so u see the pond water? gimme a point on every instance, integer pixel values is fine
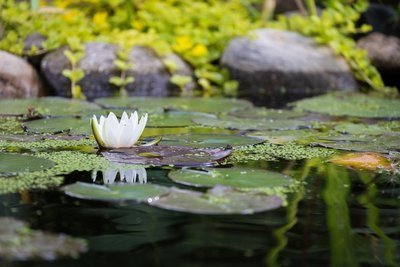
(329, 214)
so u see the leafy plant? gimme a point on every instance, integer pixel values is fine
(123, 65)
(74, 54)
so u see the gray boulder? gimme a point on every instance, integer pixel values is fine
(383, 50)
(151, 76)
(18, 79)
(275, 67)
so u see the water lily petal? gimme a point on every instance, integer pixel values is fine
(127, 132)
(112, 132)
(139, 128)
(124, 118)
(97, 131)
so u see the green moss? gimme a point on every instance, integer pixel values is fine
(267, 151)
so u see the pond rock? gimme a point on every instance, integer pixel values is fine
(274, 67)
(383, 50)
(384, 53)
(34, 41)
(17, 78)
(151, 76)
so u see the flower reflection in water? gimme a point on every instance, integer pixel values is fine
(128, 175)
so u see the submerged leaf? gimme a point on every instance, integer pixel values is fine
(363, 161)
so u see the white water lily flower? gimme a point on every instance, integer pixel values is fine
(111, 133)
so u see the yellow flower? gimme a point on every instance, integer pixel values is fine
(183, 43)
(61, 4)
(70, 15)
(199, 50)
(137, 25)
(100, 19)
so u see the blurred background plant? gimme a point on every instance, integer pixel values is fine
(196, 30)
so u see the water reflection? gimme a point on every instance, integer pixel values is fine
(130, 175)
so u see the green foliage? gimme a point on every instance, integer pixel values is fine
(335, 27)
(123, 65)
(196, 30)
(75, 74)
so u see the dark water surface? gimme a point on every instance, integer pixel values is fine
(338, 217)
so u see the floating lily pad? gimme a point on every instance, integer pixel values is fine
(218, 200)
(263, 113)
(380, 144)
(362, 129)
(53, 106)
(175, 119)
(230, 122)
(136, 192)
(357, 105)
(285, 136)
(208, 140)
(18, 242)
(71, 125)
(13, 163)
(234, 177)
(167, 155)
(211, 105)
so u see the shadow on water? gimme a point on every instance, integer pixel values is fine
(337, 217)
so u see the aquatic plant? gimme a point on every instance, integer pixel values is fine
(111, 133)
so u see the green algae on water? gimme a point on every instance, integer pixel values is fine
(270, 152)
(47, 144)
(65, 162)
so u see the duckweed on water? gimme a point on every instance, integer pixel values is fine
(45, 145)
(65, 162)
(269, 152)
(10, 126)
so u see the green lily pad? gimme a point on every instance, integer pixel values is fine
(218, 200)
(230, 122)
(380, 144)
(210, 105)
(71, 125)
(175, 119)
(14, 163)
(351, 104)
(285, 136)
(53, 106)
(234, 177)
(264, 113)
(136, 192)
(208, 140)
(167, 155)
(363, 129)
(18, 242)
